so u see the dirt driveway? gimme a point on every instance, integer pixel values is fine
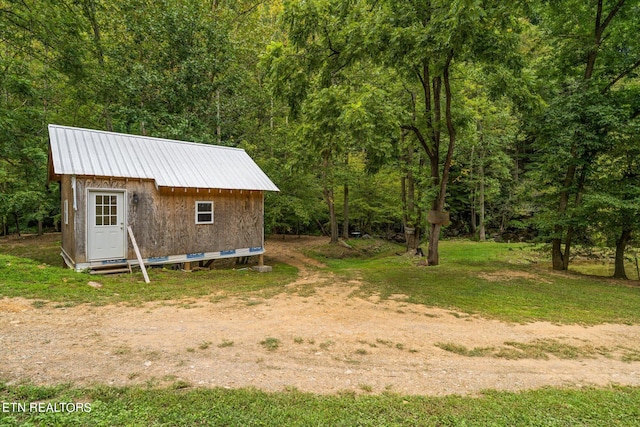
(323, 342)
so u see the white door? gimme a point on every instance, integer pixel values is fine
(105, 226)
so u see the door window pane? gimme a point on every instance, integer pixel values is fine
(106, 210)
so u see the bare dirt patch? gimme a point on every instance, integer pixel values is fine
(508, 275)
(327, 341)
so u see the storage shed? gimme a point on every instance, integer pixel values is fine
(185, 202)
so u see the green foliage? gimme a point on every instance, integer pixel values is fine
(591, 68)
(374, 200)
(319, 93)
(23, 154)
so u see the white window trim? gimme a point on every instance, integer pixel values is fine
(209, 203)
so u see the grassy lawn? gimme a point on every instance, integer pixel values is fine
(508, 282)
(248, 407)
(30, 268)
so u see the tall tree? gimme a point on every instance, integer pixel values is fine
(612, 204)
(594, 49)
(338, 107)
(423, 43)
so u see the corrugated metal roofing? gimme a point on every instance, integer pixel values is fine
(86, 152)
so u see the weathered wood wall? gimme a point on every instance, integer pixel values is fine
(163, 221)
(68, 229)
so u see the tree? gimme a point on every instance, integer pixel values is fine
(593, 51)
(485, 176)
(420, 42)
(338, 109)
(613, 202)
(24, 103)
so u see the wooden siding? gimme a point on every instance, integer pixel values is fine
(163, 221)
(68, 230)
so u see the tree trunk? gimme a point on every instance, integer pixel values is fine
(345, 205)
(410, 218)
(621, 245)
(403, 198)
(271, 115)
(434, 236)
(567, 248)
(433, 256)
(556, 250)
(482, 233)
(556, 243)
(17, 219)
(327, 191)
(40, 228)
(472, 223)
(570, 229)
(324, 230)
(472, 198)
(431, 144)
(333, 220)
(345, 213)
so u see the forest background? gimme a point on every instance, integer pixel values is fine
(407, 119)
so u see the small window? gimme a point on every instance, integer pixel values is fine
(66, 212)
(204, 212)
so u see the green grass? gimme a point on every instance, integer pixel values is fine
(42, 249)
(360, 249)
(22, 277)
(600, 268)
(271, 343)
(181, 405)
(27, 270)
(496, 280)
(464, 351)
(537, 349)
(225, 343)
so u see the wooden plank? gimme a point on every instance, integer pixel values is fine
(69, 229)
(111, 271)
(135, 247)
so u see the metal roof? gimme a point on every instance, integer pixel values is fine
(86, 152)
